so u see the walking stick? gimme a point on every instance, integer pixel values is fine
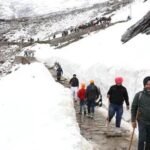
(133, 131)
(131, 139)
(107, 118)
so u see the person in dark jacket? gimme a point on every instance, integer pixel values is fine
(92, 93)
(59, 72)
(117, 94)
(74, 84)
(140, 112)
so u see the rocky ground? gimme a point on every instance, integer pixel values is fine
(7, 58)
(43, 27)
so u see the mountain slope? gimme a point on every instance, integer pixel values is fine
(27, 8)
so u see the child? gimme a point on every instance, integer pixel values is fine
(81, 95)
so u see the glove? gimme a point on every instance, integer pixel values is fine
(134, 124)
(100, 100)
(128, 107)
(100, 104)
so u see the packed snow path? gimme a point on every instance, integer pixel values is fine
(96, 131)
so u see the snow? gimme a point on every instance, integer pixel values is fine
(37, 113)
(101, 57)
(34, 115)
(30, 8)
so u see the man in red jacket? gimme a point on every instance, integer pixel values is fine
(81, 95)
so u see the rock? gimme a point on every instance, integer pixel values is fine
(142, 26)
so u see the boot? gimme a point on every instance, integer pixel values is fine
(92, 115)
(80, 113)
(88, 115)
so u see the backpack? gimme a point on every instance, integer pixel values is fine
(138, 111)
(139, 97)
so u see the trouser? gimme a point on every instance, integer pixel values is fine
(91, 106)
(115, 109)
(74, 91)
(58, 77)
(144, 136)
(82, 106)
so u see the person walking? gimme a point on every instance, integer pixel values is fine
(116, 95)
(92, 93)
(59, 72)
(81, 95)
(74, 83)
(140, 112)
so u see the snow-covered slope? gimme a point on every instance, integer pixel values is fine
(101, 57)
(34, 116)
(30, 8)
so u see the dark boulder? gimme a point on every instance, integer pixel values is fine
(142, 26)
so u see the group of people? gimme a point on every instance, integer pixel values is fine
(117, 95)
(87, 96)
(101, 21)
(29, 53)
(140, 109)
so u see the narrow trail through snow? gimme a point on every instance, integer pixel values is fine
(94, 130)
